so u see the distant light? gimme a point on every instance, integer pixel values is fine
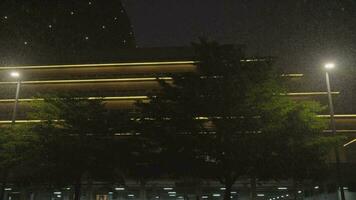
(119, 189)
(316, 187)
(172, 195)
(287, 195)
(157, 197)
(204, 197)
(233, 192)
(15, 74)
(222, 188)
(216, 195)
(110, 193)
(283, 188)
(171, 192)
(59, 196)
(346, 188)
(168, 188)
(130, 195)
(260, 195)
(68, 188)
(329, 66)
(282, 196)
(180, 197)
(299, 191)
(8, 189)
(57, 192)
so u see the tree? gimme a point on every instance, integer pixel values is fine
(77, 139)
(17, 145)
(230, 116)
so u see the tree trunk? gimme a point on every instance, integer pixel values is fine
(143, 195)
(253, 193)
(3, 184)
(227, 192)
(295, 190)
(77, 189)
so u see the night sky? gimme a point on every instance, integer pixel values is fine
(301, 33)
(62, 31)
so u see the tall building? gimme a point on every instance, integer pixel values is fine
(60, 31)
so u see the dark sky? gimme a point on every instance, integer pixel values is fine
(299, 32)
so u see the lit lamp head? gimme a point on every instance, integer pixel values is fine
(15, 75)
(329, 66)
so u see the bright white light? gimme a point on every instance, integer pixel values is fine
(172, 195)
(222, 188)
(299, 191)
(316, 187)
(8, 189)
(204, 197)
(168, 188)
(15, 74)
(119, 189)
(329, 66)
(57, 192)
(287, 195)
(260, 195)
(216, 195)
(171, 192)
(346, 188)
(130, 195)
(283, 188)
(157, 197)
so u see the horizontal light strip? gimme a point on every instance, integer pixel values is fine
(292, 75)
(112, 64)
(90, 98)
(310, 93)
(203, 118)
(352, 141)
(99, 65)
(146, 97)
(91, 80)
(340, 131)
(111, 80)
(339, 116)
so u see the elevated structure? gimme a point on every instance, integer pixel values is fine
(132, 76)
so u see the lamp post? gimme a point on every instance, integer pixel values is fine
(16, 75)
(328, 67)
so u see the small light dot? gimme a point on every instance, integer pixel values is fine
(50, 26)
(86, 38)
(115, 18)
(25, 43)
(122, 11)
(71, 13)
(103, 27)
(5, 17)
(124, 41)
(89, 3)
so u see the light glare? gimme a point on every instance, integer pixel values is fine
(329, 66)
(15, 74)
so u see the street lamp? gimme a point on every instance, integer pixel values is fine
(16, 75)
(328, 67)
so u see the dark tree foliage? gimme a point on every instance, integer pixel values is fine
(230, 119)
(77, 142)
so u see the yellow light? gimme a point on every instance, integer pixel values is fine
(99, 65)
(352, 141)
(92, 80)
(309, 93)
(90, 98)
